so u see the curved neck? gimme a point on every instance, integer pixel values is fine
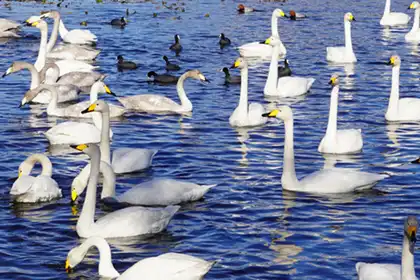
(347, 35)
(54, 34)
(416, 21)
(271, 83)
(274, 27)
(185, 102)
(332, 119)
(407, 261)
(35, 79)
(40, 61)
(62, 29)
(288, 179)
(52, 76)
(395, 91)
(108, 187)
(104, 145)
(43, 160)
(387, 9)
(52, 105)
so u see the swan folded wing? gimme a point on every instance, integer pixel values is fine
(67, 66)
(349, 139)
(79, 36)
(149, 103)
(255, 111)
(22, 185)
(80, 79)
(73, 52)
(38, 189)
(395, 19)
(294, 86)
(376, 271)
(6, 24)
(408, 108)
(335, 54)
(73, 133)
(255, 49)
(126, 160)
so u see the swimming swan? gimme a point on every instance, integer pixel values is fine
(414, 34)
(393, 19)
(385, 271)
(244, 114)
(283, 86)
(343, 141)
(153, 103)
(30, 189)
(324, 181)
(169, 266)
(343, 54)
(256, 49)
(404, 109)
(130, 221)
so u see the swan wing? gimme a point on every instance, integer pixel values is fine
(80, 36)
(393, 19)
(255, 49)
(81, 79)
(35, 189)
(149, 103)
(6, 24)
(408, 108)
(335, 54)
(69, 51)
(127, 160)
(73, 133)
(376, 271)
(255, 111)
(293, 86)
(68, 65)
(346, 141)
(22, 185)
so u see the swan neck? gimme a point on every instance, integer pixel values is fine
(416, 22)
(54, 35)
(185, 102)
(43, 160)
(332, 119)
(274, 25)
(387, 9)
(347, 35)
(108, 188)
(105, 140)
(407, 261)
(243, 98)
(40, 62)
(272, 78)
(288, 178)
(35, 79)
(52, 105)
(395, 91)
(94, 91)
(62, 29)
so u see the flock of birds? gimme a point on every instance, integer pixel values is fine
(62, 72)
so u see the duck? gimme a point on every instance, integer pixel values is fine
(124, 64)
(283, 86)
(177, 266)
(400, 109)
(393, 19)
(296, 16)
(224, 41)
(324, 181)
(284, 71)
(414, 34)
(229, 79)
(30, 189)
(246, 115)
(343, 141)
(162, 78)
(121, 22)
(170, 66)
(256, 49)
(9, 28)
(403, 271)
(176, 47)
(243, 9)
(153, 103)
(343, 54)
(126, 222)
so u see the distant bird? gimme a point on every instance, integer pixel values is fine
(126, 65)
(119, 22)
(295, 16)
(224, 41)
(242, 9)
(170, 66)
(229, 79)
(163, 78)
(285, 70)
(176, 47)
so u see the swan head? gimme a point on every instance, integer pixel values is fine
(273, 41)
(25, 168)
(349, 17)
(414, 5)
(196, 74)
(410, 229)
(101, 87)
(279, 13)
(32, 19)
(334, 80)
(15, 67)
(284, 113)
(51, 14)
(394, 60)
(97, 106)
(240, 63)
(40, 24)
(31, 94)
(74, 257)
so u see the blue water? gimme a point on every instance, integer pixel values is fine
(247, 223)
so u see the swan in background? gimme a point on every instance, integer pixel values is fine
(256, 49)
(9, 28)
(130, 221)
(176, 266)
(343, 54)
(283, 86)
(244, 114)
(414, 34)
(153, 103)
(30, 189)
(343, 141)
(404, 109)
(393, 19)
(324, 181)
(385, 271)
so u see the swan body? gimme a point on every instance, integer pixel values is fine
(325, 181)
(177, 266)
(414, 34)
(73, 52)
(73, 133)
(256, 49)
(246, 115)
(29, 189)
(153, 103)
(9, 28)
(404, 109)
(393, 19)
(130, 221)
(405, 271)
(283, 86)
(343, 54)
(343, 141)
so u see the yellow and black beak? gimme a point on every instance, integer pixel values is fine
(236, 64)
(74, 195)
(411, 231)
(107, 90)
(80, 147)
(411, 6)
(271, 114)
(19, 173)
(67, 266)
(90, 109)
(8, 71)
(268, 41)
(391, 61)
(332, 81)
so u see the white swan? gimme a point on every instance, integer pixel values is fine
(393, 19)
(130, 221)
(414, 34)
(9, 28)
(385, 271)
(169, 266)
(31, 189)
(343, 54)
(256, 49)
(283, 86)
(66, 92)
(404, 109)
(73, 133)
(153, 103)
(244, 114)
(325, 181)
(343, 141)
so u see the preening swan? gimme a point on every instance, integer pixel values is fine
(414, 34)
(393, 19)
(404, 109)
(343, 141)
(153, 103)
(385, 271)
(324, 181)
(169, 266)
(283, 86)
(343, 54)
(244, 114)
(256, 49)
(30, 189)
(130, 221)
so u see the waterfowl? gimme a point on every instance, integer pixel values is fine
(127, 222)
(246, 115)
(283, 86)
(126, 65)
(285, 70)
(393, 19)
(324, 181)
(177, 266)
(30, 189)
(170, 66)
(229, 79)
(176, 47)
(403, 271)
(242, 9)
(119, 22)
(295, 16)
(343, 54)
(414, 34)
(9, 28)
(153, 103)
(343, 141)
(256, 49)
(162, 78)
(224, 41)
